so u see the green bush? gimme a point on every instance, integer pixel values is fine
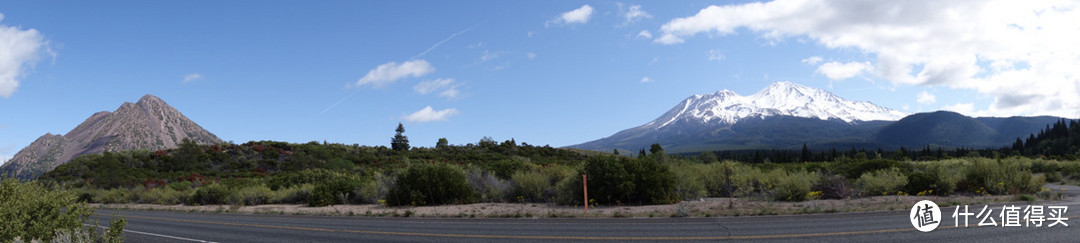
(1002, 176)
(333, 191)
(790, 185)
(728, 178)
(427, 184)
(252, 195)
(292, 194)
(622, 180)
(530, 185)
(881, 182)
(115, 195)
(31, 211)
(689, 180)
(159, 195)
(210, 194)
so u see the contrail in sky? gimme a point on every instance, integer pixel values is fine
(432, 48)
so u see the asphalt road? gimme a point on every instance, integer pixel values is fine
(160, 226)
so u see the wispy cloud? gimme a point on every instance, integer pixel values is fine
(577, 16)
(814, 60)
(646, 80)
(430, 115)
(392, 71)
(925, 98)
(530, 55)
(632, 14)
(715, 55)
(191, 77)
(445, 86)
(19, 50)
(841, 71)
(645, 34)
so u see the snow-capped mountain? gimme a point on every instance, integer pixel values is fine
(787, 116)
(781, 115)
(778, 99)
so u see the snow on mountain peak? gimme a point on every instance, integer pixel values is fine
(778, 99)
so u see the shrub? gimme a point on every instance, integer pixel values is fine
(115, 195)
(790, 185)
(252, 195)
(689, 181)
(488, 187)
(615, 180)
(427, 184)
(293, 194)
(159, 195)
(1001, 176)
(833, 187)
(881, 182)
(332, 191)
(210, 194)
(33, 212)
(725, 179)
(529, 185)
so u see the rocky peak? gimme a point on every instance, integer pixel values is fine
(148, 124)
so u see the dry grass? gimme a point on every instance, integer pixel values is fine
(711, 207)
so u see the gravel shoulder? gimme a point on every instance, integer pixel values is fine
(709, 207)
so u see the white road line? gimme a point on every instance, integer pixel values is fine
(158, 235)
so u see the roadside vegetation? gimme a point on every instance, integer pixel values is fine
(320, 174)
(31, 212)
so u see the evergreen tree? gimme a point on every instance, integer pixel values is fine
(805, 154)
(400, 142)
(442, 144)
(641, 154)
(656, 149)
(616, 152)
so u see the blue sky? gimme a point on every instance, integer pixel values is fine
(541, 72)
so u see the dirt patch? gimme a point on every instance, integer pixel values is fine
(710, 207)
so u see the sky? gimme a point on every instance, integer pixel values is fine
(541, 72)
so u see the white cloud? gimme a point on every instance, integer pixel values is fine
(19, 51)
(1023, 54)
(488, 56)
(450, 93)
(429, 115)
(4, 158)
(715, 55)
(445, 85)
(433, 85)
(967, 109)
(925, 98)
(192, 77)
(645, 34)
(841, 71)
(814, 60)
(577, 16)
(392, 71)
(632, 14)
(646, 80)
(530, 55)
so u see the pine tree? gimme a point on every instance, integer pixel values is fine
(805, 154)
(400, 142)
(442, 144)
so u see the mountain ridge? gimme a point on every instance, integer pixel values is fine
(149, 123)
(785, 115)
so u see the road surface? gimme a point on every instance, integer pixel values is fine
(162, 226)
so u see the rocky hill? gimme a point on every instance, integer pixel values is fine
(149, 124)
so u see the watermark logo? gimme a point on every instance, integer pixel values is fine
(925, 216)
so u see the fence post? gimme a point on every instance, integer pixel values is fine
(585, 184)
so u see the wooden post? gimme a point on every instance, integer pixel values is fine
(585, 184)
